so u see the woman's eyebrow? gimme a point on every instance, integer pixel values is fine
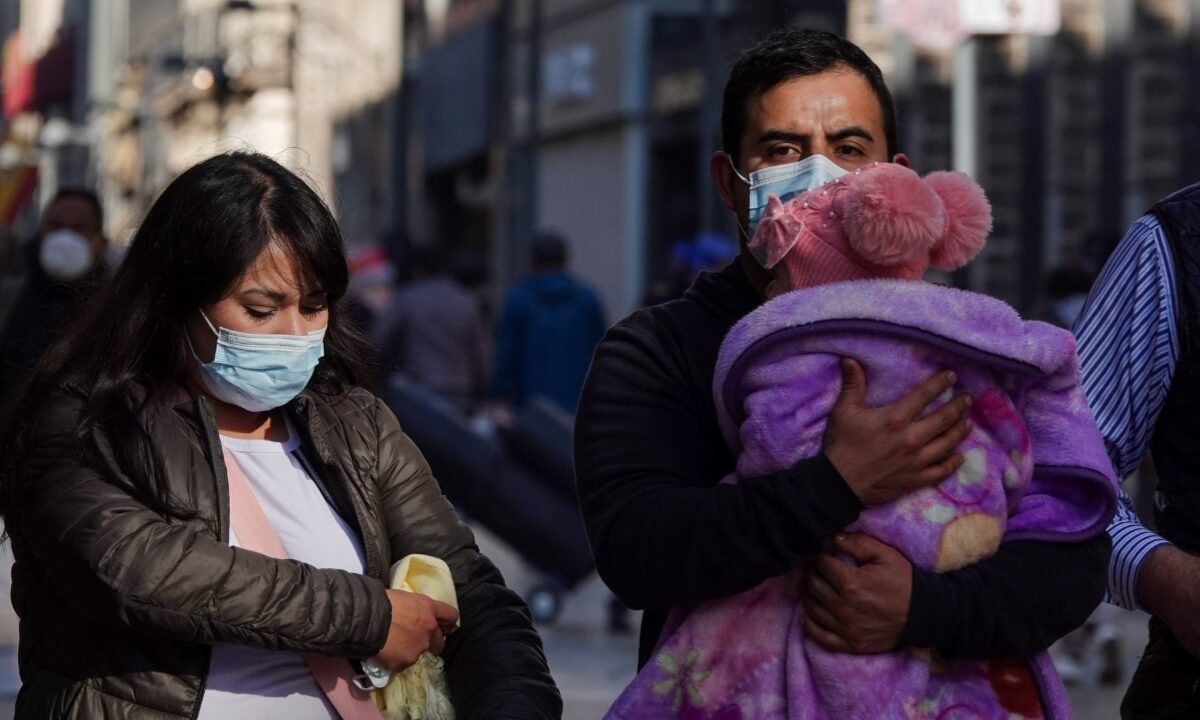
(272, 295)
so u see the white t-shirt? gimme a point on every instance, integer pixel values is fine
(250, 683)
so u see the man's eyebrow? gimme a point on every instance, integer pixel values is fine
(795, 137)
(782, 135)
(852, 131)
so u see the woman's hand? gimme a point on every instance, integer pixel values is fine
(419, 624)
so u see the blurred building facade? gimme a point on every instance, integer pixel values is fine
(43, 102)
(158, 85)
(604, 137)
(307, 82)
(1076, 134)
(471, 123)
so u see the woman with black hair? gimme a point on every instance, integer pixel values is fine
(216, 363)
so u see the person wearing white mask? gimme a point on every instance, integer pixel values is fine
(204, 503)
(63, 267)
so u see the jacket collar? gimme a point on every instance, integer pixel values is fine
(302, 411)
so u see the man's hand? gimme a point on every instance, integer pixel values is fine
(857, 608)
(883, 453)
(419, 624)
(1168, 586)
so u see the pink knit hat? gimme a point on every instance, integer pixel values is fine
(882, 221)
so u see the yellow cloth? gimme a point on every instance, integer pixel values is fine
(419, 692)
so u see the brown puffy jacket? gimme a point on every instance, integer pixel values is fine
(120, 606)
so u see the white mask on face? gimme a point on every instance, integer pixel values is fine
(785, 182)
(65, 255)
(259, 371)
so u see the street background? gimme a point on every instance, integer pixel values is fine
(465, 127)
(415, 119)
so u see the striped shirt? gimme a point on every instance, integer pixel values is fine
(1128, 347)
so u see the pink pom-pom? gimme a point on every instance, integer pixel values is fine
(890, 216)
(968, 219)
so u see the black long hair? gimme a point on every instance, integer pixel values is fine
(199, 238)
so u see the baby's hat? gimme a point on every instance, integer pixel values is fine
(881, 221)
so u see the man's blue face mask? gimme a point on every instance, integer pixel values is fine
(259, 372)
(785, 182)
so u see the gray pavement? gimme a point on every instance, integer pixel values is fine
(1090, 700)
(592, 666)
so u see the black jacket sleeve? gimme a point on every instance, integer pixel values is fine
(662, 534)
(1016, 602)
(495, 665)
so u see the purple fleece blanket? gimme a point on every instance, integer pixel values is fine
(1035, 468)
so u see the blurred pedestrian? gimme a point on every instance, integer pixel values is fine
(703, 253)
(208, 399)
(549, 327)
(10, 266)
(650, 454)
(431, 331)
(372, 284)
(63, 267)
(1139, 350)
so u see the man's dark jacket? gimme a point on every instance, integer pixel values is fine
(649, 456)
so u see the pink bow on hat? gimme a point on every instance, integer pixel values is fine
(882, 221)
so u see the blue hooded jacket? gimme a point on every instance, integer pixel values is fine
(550, 325)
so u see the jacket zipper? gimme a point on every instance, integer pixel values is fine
(221, 483)
(220, 479)
(374, 562)
(312, 426)
(203, 685)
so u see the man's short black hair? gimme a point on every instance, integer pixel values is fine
(548, 250)
(789, 53)
(87, 196)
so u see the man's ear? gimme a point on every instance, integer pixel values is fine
(901, 159)
(721, 169)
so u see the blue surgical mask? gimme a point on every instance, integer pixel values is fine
(257, 371)
(785, 182)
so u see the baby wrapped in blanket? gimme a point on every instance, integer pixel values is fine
(852, 253)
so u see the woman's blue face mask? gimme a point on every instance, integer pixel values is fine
(260, 372)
